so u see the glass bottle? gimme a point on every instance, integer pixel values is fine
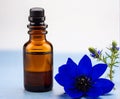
(38, 55)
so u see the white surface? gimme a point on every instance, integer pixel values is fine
(74, 25)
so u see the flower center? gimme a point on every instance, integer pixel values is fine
(83, 83)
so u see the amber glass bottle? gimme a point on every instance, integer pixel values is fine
(38, 55)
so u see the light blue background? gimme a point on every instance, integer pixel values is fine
(11, 78)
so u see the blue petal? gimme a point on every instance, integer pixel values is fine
(73, 92)
(100, 87)
(98, 70)
(104, 84)
(84, 66)
(93, 55)
(64, 80)
(70, 68)
(94, 92)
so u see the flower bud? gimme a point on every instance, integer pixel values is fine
(92, 50)
(114, 44)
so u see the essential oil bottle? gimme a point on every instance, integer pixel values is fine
(37, 55)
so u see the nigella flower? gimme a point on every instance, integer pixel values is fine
(83, 79)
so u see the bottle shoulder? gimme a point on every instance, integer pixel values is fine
(49, 43)
(45, 46)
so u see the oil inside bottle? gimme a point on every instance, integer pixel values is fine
(38, 71)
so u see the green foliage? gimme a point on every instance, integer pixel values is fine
(110, 57)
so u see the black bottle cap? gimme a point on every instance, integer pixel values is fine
(37, 12)
(37, 15)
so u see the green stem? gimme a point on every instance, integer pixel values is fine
(111, 73)
(111, 67)
(100, 59)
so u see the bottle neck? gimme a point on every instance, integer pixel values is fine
(37, 33)
(38, 38)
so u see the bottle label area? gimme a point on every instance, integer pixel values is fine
(38, 61)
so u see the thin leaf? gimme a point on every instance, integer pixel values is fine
(107, 54)
(116, 66)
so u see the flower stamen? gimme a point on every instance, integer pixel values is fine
(83, 83)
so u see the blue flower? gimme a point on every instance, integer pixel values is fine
(83, 79)
(94, 52)
(114, 47)
(96, 55)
